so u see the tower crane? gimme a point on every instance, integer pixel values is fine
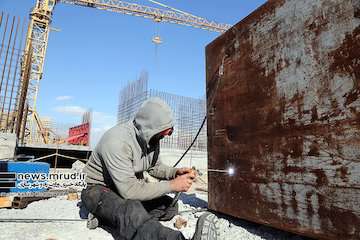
(38, 35)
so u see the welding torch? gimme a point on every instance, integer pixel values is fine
(230, 171)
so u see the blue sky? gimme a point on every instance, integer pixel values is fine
(97, 52)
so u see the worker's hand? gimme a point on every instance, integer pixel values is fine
(182, 171)
(182, 183)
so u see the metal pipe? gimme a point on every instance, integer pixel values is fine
(16, 121)
(23, 123)
(25, 77)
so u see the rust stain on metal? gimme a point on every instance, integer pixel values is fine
(286, 115)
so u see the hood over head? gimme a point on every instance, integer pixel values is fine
(153, 117)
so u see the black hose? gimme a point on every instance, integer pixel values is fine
(39, 220)
(177, 195)
(193, 142)
(217, 75)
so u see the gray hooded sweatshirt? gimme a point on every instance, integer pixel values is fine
(124, 153)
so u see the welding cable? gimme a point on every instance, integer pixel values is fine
(192, 211)
(177, 195)
(193, 142)
(218, 74)
(39, 220)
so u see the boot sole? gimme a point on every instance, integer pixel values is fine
(207, 227)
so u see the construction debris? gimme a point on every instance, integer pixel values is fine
(180, 223)
(7, 146)
(5, 202)
(23, 202)
(72, 196)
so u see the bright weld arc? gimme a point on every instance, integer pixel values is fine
(231, 171)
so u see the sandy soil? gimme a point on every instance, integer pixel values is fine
(59, 219)
(63, 222)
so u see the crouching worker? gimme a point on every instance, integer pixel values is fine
(117, 193)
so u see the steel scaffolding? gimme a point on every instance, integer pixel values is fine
(188, 113)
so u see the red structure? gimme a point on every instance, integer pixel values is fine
(79, 135)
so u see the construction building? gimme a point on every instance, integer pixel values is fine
(188, 113)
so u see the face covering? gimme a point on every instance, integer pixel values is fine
(155, 139)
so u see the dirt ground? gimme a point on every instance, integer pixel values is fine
(58, 219)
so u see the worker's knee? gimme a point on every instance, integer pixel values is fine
(162, 208)
(130, 215)
(90, 197)
(135, 209)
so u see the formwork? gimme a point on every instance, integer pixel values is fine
(283, 101)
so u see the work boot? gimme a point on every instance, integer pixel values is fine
(206, 227)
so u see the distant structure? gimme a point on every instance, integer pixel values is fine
(80, 134)
(52, 132)
(188, 113)
(47, 124)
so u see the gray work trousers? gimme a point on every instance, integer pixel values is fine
(130, 219)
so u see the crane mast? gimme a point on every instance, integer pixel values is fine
(38, 35)
(35, 49)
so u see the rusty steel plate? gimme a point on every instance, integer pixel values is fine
(285, 85)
